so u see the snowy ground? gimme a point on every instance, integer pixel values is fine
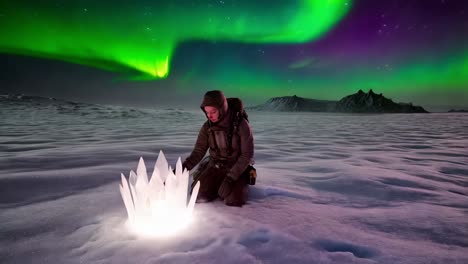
(332, 188)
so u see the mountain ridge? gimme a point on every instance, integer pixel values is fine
(360, 102)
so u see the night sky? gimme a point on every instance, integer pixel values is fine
(168, 53)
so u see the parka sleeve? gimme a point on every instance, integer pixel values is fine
(246, 151)
(199, 151)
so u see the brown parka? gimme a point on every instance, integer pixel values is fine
(214, 136)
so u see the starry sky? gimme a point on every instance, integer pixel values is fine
(168, 53)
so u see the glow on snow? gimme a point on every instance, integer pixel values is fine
(158, 207)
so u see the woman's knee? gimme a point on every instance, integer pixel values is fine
(238, 196)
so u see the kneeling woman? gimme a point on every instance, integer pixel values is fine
(231, 150)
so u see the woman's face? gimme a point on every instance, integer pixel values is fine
(212, 113)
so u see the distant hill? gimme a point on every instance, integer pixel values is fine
(38, 101)
(371, 102)
(296, 104)
(58, 106)
(458, 111)
(359, 102)
(22, 97)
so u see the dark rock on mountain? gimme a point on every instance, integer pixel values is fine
(296, 104)
(371, 102)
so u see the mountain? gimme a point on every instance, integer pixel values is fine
(359, 102)
(295, 104)
(458, 111)
(371, 102)
(6, 97)
(58, 106)
(40, 102)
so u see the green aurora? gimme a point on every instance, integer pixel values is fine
(132, 37)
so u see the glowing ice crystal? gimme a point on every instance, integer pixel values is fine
(158, 207)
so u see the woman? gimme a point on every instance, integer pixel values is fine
(230, 153)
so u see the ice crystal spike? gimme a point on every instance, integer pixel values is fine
(158, 206)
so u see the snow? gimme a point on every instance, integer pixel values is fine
(331, 188)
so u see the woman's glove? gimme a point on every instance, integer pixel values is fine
(226, 187)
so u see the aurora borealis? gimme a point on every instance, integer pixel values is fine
(408, 50)
(139, 38)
